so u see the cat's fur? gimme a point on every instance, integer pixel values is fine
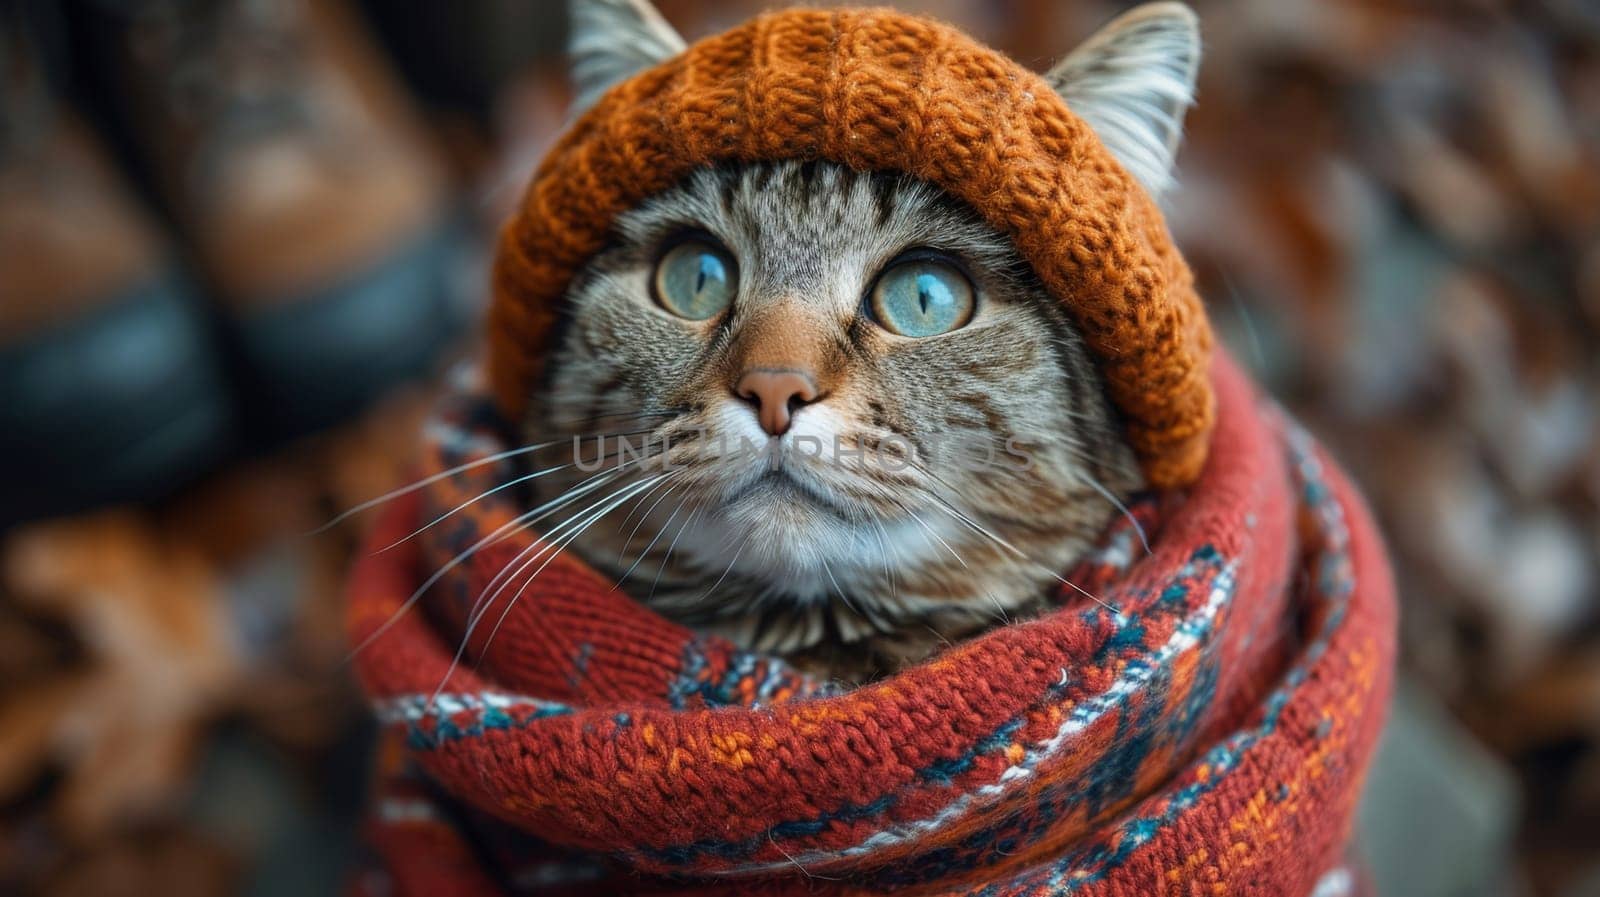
(852, 564)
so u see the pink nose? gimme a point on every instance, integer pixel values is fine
(776, 393)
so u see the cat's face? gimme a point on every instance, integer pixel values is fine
(852, 409)
(848, 363)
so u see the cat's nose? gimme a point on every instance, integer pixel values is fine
(777, 393)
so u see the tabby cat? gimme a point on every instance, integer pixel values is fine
(881, 434)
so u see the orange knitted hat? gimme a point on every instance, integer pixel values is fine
(878, 90)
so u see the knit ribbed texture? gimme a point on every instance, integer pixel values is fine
(877, 90)
(1208, 735)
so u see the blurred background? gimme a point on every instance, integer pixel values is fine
(240, 239)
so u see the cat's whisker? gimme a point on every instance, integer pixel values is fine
(796, 863)
(520, 520)
(460, 468)
(743, 544)
(469, 502)
(505, 530)
(567, 424)
(671, 546)
(591, 484)
(1121, 507)
(838, 589)
(999, 609)
(642, 517)
(481, 607)
(1094, 483)
(999, 606)
(557, 548)
(652, 543)
(507, 572)
(430, 480)
(967, 520)
(883, 552)
(508, 485)
(1019, 553)
(929, 530)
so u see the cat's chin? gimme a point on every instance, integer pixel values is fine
(776, 534)
(781, 496)
(777, 524)
(803, 546)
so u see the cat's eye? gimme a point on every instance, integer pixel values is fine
(695, 279)
(923, 297)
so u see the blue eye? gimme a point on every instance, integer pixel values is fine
(695, 280)
(923, 297)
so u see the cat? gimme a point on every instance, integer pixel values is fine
(882, 434)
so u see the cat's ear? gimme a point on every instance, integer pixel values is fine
(611, 40)
(1132, 81)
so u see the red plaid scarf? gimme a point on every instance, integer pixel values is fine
(1207, 736)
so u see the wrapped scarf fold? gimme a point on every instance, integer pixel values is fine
(1202, 728)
